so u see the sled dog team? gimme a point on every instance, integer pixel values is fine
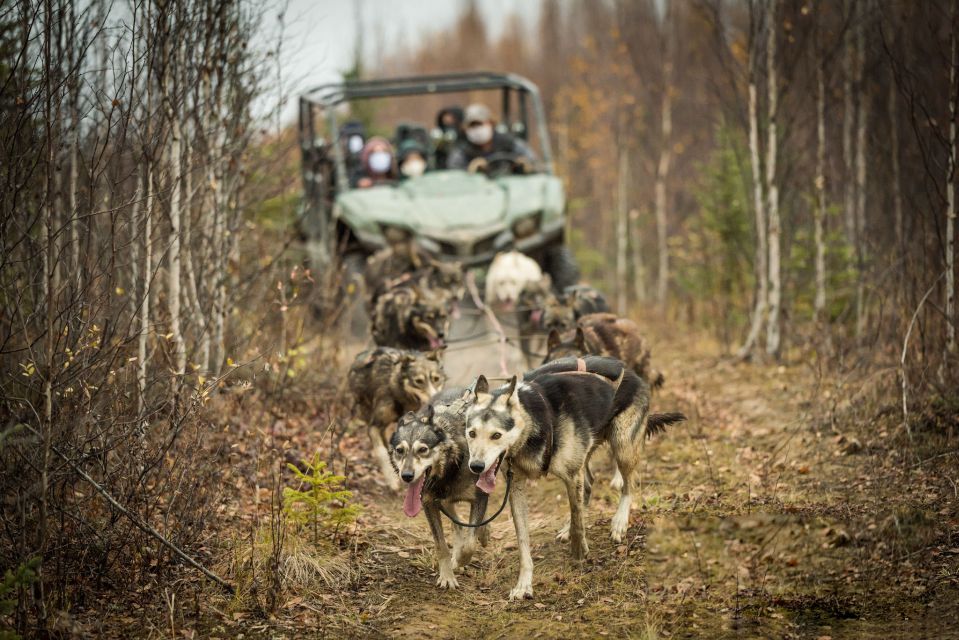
(453, 445)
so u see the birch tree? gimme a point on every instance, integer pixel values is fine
(773, 328)
(819, 216)
(665, 157)
(759, 208)
(622, 233)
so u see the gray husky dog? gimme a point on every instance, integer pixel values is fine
(551, 422)
(428, 451)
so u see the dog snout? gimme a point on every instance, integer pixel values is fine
(407, 476)
(477, 466)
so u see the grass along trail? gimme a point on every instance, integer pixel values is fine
(755, 520)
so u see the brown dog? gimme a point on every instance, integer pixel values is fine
(387, 383)
(407, 316)
(605, 334)
(561, 312)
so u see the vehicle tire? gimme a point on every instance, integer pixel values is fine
(559, 263)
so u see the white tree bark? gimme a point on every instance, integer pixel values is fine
(639, 268)
(145, 299)
(665, 158)
(773, 327)
(174, 265)
(819, 219)
(622, 233)
(759, 208)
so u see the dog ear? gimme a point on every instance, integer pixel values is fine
(506, 397)
(553, 341)
(581, 340)
(481, 386)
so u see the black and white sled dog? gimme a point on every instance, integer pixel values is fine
(428, 451)
(551, 422)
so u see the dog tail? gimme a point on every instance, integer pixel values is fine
(657, 422)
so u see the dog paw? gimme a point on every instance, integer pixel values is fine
(522, 591)
(563, 534)
(447, 582)
(618, 528)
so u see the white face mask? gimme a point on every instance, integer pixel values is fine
(413, 167)
(480, 134)
(355, 144)
(380, 161)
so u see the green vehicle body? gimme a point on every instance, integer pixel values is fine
(456, 215)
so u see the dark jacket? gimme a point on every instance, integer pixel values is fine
(465, 151)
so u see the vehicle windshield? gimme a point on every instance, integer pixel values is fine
(386, 140)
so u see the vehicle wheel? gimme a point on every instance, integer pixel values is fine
(559, 263)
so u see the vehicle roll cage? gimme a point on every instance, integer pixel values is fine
(325, 97)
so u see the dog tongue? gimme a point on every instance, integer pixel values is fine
(434, 343)
(487, 480)
(535, 316)
(413, 502)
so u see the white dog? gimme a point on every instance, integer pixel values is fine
(508, 275)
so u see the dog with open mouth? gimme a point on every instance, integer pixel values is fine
(385, 384)
(428, 451)
(408, 316)
(551, 423)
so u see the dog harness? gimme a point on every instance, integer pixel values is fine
(455, 520)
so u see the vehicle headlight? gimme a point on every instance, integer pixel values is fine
(527, 226)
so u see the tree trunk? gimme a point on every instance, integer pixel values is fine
(622, 233)
(773, 327)
(639, 269)
(951, 195)
(819, 220)
(897, 193)
(145, 299)
(862, 120)
(174, 266)
(848, 124)
(762, 254)
(665, 158)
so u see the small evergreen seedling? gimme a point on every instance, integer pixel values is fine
(320, 500)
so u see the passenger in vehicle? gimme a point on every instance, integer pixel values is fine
(449, 122)
(412, 158)
(377, 163)
(483, 140)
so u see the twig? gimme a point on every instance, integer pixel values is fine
(143, 526)
(471, 285)
(902, 359)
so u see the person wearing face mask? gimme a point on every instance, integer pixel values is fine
(412, 159)
(482, 140)
(377, 163)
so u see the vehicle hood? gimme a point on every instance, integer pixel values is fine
(442, 202)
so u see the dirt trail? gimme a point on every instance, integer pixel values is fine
(755, 522)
